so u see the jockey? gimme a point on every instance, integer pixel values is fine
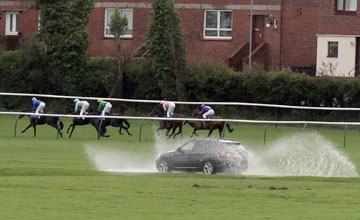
(84, 105)
(169, 108)
(38, 106)
(105, 106)
(206, 111)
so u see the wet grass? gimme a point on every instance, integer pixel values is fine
(49, 178)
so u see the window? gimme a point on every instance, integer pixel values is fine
(12, 23)
(128, 13)
(346, 6)
(332, 49)
(188, 146)
(218, 24)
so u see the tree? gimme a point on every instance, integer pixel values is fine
(118, 27)
(63, 30)
(167, 48)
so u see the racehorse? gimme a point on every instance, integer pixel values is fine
(210, 125)
(117, 122)
(159, 111)
(52, 121)
(79, 121)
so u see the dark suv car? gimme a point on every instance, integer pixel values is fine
(207, 155)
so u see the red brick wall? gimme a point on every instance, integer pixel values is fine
(332, 23)
(101, 46)
(293, 43)
(300, 21)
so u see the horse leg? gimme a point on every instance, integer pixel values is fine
(56, 127)
(168, 130)
(120, 130)
(177, 133)
(220, 132)
(67, 131)
(172, 132)
(194, 132)
(210, 131)
(26, 128)
(158, 131)
(72, 130)
(34, 126)
(126, 129)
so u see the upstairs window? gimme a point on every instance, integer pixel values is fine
(12, 23)
(346, 6)
(128, 13)
(218, 24)
(333, 48)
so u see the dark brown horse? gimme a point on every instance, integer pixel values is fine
(79, 121)
(52, 121)
(95, 122)
(120, 123)
(209, 125)
(168, 125)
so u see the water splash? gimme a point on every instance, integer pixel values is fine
(297, 155)
(117, 160)
(114, 160)
(307, 154)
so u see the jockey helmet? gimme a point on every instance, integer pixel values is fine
(100, 100)
(202, 106)
(162, 102)
(33, 99)
(76, 100)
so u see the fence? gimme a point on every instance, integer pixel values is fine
(266, 122)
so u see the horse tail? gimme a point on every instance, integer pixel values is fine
(228, 127)
(127, 123)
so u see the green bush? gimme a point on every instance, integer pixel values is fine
(26, 70)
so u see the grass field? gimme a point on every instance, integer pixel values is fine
(49, 178)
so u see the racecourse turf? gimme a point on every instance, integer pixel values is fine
(50, 178)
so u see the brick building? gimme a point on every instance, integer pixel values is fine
(286, 33)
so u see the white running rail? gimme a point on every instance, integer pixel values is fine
(185, 103)
(187, 119)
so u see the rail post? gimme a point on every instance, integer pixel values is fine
(141, 124)
(345, 130)
(276, 116)
(223, 134)
(100, 126)
(17, 118)
(266, 126)
(182, 127)
(318, 119)
(359, 125)
(58, 128)
(304, 127)
(237, 116)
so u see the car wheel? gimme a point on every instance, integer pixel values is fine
(163, 166)
(209, 168)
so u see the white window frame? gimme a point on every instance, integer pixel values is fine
(12, 23)
(346, 6)
(130, 23)
(218, 29)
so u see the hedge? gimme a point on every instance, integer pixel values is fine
(208, 81)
